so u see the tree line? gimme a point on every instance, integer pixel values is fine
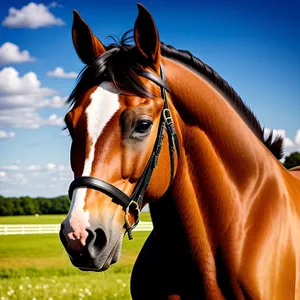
(13, 206)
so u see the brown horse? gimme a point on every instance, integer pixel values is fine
(226, 213)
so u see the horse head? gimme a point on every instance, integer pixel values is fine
(117, 124)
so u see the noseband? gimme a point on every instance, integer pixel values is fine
(134, 202)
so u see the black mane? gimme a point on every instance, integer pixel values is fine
(121, 61)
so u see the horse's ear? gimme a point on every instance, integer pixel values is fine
(146, 37)
(87, 46)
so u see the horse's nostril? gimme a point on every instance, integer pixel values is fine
(101, 240)
(96, 241)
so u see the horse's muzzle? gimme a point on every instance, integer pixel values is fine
(93, 255)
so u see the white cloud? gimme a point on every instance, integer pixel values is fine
(18, 175)
(288, 143)
(60, 169)
(28, 180)
(32, 16)
(21, 97)
(297, 137)
(20, 117)
(47, 167)
(53, 120)
(55, 102)
(33, 168)
(7, 135)
(10, 53)
(59, 72)
(52, 4)
(10, 168)
(50, 166)
(11, 83)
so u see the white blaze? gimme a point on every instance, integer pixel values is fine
(104, 104)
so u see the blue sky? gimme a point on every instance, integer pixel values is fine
(254, 46)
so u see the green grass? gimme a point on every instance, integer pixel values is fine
(48, 219)
(102, 286)
(38, 253)
(41, 219)
(37, 266)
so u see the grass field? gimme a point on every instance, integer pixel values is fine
(48, 219)
(37, 267)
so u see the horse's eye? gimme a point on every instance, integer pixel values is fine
(142, 128)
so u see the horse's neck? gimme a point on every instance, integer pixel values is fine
(221, 163)
(215, 137)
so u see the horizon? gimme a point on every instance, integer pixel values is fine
(254, 47)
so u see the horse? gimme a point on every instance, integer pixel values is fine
(154, 125)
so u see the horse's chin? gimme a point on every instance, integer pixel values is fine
(113, 257)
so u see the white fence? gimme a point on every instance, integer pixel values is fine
(52, 228)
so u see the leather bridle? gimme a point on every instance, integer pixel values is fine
(135, 200)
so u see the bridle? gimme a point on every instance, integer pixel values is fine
(135, 200)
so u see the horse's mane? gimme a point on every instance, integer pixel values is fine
(195, 64)
(120, 62)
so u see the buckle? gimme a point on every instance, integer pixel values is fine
(127, 211)
(167, 116)
(170, 126)
(169, 121)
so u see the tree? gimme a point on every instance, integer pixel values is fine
(6, 206)
(292, 160)
(18, 207)
(29, 206)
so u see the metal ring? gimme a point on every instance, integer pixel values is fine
(127, 210)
